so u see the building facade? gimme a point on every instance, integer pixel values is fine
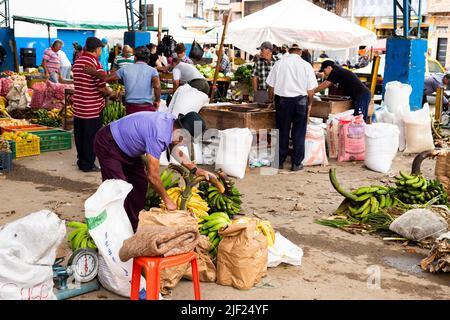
(439, 32)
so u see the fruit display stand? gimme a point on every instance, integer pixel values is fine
(225, 116)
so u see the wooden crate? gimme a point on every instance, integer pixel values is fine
(329, 105)
(226, 116)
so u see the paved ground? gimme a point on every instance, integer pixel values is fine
(336, 264)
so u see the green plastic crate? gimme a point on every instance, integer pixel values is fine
(54, 140)
(12, 146)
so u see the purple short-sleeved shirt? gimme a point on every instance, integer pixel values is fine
(143, 132)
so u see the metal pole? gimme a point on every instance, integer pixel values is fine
(49, 40)
(159, 24)
(395, 17)
(419, 14)
(439, 101)
(406, 17)
(14, 48)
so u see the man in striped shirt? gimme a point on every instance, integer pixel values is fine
(89, 101)
(123, 59)
(51, 61)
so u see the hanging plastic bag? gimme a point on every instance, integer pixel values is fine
(196, 52)
(381, 146)
(284, 251)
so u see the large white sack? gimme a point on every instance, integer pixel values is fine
(27, 253)
(187, 99)
(109, 226)
(418, 133)
(381, 146)
(233, 151)
(396, 96)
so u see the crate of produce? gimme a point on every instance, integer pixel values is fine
(23, 144)
(9, 128)
(33, 129)
(5, 162)
(54, 140)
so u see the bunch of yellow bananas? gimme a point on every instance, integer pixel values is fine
(69, 112)
(3, 107)
(263, 226)
(195, 204)
(54, 114)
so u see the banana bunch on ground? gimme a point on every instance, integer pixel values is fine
(152, 199)
(209, 225)
(229, 201)
(80, 238)
(413, 189)
(114, 111)
(364, 201)
(195, 204)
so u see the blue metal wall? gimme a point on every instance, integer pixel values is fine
(28, 42)
(6, 36)
(405, 62)
(69, 36)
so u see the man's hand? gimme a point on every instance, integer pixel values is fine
(206, 174)
(170, 205)
(156, 104)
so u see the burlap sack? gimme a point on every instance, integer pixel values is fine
(440, 170)
(156, 216)
(206, 268)
(242, 256)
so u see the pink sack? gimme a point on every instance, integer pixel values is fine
(351, 139)
(38, 97)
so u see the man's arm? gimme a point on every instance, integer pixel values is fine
(156, 92)
(155, 181)
(185, 162)
(176, 84)
(255, 83)
(323, 86)
(101, 75)
(44, 65)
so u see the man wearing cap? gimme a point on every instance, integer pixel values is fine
(261, 71)
(187, 73)
(293, 80)
(88, 103)
(432, 83)
(349, 83)
(121, 145)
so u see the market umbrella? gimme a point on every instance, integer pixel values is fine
(297, 21)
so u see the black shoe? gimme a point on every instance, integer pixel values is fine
(93, 169)
(281, 166)
(296, 167)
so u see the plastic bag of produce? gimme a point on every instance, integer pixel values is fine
(37, 100)
(351, 139)
(27, 253)
(284, 251)
(234, 148)
(187, 99)
(6, 85)
(418, 133)
(333, 131)
(381, 146)
(315, 149)
(109, 226)
(242, 256)
(396, 96)
(419, 224)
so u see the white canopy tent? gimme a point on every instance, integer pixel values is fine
(297, 21)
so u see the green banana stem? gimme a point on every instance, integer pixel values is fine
(417, 162)
(337, 186)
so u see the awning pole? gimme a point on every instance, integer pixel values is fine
(14, 48)
(49, 41)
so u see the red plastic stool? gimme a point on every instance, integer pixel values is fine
(153, 267)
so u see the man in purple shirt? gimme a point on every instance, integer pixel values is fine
(120, 145)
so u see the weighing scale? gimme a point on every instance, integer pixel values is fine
(81, 270)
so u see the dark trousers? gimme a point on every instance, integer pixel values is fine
(115, 164)
(361, 104)
(292, 112)
(138, 107)
(84, 131)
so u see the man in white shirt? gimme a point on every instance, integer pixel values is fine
(188, 73)
(293, 80)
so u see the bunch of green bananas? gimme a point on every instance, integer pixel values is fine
(45, 118)
(152, 199)
(210, 226)
(364, 201)
(229, 202)
(80, 238)
(114, 111)
(418, 190)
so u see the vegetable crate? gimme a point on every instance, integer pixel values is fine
(6, 162)
(24, 148)
(33, 127)
(54, 140)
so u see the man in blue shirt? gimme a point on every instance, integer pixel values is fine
(120, 145)
(139, 80)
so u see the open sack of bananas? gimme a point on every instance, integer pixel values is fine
(374, 208)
